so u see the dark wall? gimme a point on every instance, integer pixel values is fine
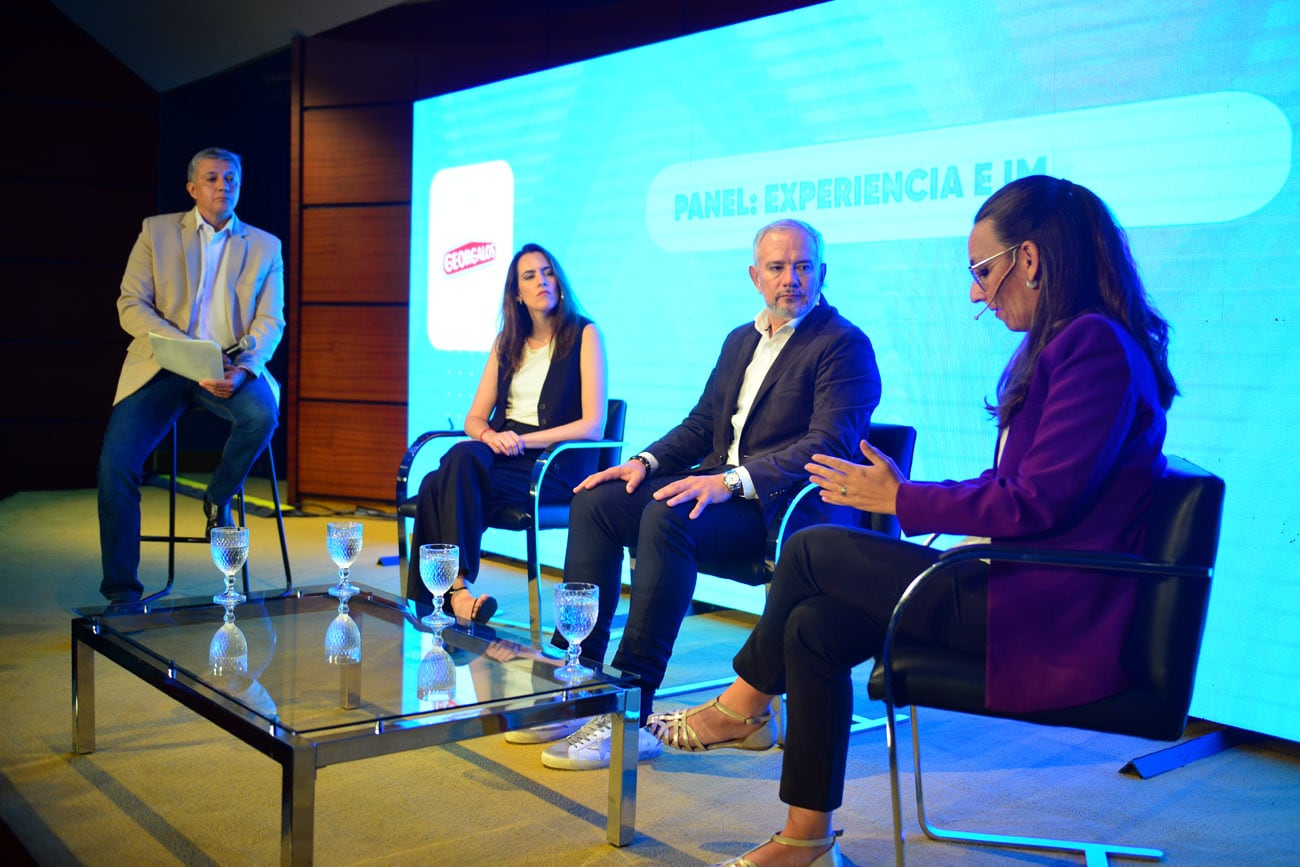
(78, 170)
(90, 151)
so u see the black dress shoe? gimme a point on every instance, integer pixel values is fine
(122, 601)
(218, 516)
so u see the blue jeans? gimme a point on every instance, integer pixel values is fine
(136, 427)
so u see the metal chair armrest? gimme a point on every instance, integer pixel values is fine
(776, 533)
(543, 463)
(408, 459)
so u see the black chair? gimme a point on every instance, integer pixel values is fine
(1160, 652)
(531, 516)
(173, 540)
(898, 442)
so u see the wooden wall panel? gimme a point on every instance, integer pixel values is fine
(719, 13)
(467, 48)
(350, 451)
(356, 254)
(353, 353)
(356, 155)
(293, 267)
(577, 34)
(355, 72)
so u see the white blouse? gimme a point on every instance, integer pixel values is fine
(526, 385)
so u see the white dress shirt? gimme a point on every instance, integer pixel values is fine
(212, 304)
(765, 355)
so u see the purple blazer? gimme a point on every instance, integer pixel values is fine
(1077, 469)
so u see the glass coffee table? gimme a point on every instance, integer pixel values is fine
(268, 679)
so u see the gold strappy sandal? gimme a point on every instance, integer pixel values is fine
(674, 730)
(829, 858)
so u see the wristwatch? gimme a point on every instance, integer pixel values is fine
(731, 479)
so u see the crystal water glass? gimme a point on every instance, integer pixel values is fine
(228, 649)
(435, 682)
(439, 565)
(229, 546)
(576, 606)
(343, 638)
(343, 541)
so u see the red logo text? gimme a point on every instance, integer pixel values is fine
(468, 256)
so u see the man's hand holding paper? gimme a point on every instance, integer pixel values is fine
(232, 378)
(198, 360)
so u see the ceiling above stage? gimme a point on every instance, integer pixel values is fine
(169, 43)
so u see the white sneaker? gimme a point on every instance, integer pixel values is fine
(587, 749)
(546, 732)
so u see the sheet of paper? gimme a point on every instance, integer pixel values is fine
(193, 359)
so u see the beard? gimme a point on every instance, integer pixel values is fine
(793, 310)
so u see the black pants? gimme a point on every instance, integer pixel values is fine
(827, 611)
(457, 498)
(669, 545)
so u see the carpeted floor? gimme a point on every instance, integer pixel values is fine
(166, 787)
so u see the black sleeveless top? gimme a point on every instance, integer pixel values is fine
(559, 403)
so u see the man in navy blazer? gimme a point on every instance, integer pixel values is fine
(799, 379)
(202, 274)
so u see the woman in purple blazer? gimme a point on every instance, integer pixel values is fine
(1081, 420)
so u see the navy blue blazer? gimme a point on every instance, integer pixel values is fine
(817, 398)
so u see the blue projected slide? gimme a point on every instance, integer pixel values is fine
(886, 124)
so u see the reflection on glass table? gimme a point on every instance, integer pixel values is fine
(280, 694)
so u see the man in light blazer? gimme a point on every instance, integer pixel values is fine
(797, 380)
(201, 274)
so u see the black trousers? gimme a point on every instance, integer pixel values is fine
(607, 519)
(827, 611)
(457, 498)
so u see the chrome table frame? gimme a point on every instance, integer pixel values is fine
(300, 755)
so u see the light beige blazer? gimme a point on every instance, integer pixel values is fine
(161, 281)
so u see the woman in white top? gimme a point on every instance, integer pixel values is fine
(544, 383)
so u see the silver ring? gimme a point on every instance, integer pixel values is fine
(844, 491)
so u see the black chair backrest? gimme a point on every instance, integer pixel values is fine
(615, 420)
(895, 440)
(1182, 528)
(1184, 516)
(898, 441)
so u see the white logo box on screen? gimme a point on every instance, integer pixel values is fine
(471, 242)
(1206, 158)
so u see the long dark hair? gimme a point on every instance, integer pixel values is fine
(517, 325)
(1085, 267)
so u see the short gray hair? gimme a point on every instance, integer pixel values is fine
(790, 226)
(213, 154)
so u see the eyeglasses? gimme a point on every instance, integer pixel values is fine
(975, 269)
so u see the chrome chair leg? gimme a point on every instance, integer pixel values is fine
(1095, 854)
